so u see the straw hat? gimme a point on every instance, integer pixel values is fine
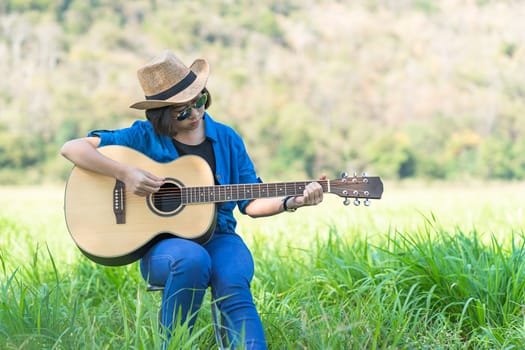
(166, 81)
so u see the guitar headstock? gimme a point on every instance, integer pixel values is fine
(357, 187)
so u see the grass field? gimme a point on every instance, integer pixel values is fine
(429, 266)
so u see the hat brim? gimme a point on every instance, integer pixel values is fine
(201, 68)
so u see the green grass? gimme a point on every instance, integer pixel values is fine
(436, 266)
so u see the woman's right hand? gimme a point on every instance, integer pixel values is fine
(141, 182)
(83, 153)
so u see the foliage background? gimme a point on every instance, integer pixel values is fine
(411, 88)
(399, 88)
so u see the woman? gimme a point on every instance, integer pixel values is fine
(176, 99)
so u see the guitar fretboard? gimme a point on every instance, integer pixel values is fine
(227, 193)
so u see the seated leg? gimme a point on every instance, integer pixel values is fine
(232, 272)
(183, 268)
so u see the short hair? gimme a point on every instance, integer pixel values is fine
(162, 120)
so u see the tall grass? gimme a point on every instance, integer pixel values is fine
(409, 276)
(425, 290)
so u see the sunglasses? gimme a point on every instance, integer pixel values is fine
(185, 114)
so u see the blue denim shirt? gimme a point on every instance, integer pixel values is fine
(233, 164)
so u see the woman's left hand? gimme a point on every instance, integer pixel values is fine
(312, 195)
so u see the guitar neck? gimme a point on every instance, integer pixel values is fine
(228, 193)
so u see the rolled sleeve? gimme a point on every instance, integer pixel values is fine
(107, 137)
(243, 204)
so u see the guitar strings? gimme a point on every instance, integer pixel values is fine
(223, 193)
(193, 193)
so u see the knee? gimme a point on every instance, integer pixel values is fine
(176, 258)
(192, 259)
(228, 284)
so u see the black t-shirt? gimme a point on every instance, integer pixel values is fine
(204, 150)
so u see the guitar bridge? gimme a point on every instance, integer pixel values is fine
(119, 199)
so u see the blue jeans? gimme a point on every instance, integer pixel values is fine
(186, 269)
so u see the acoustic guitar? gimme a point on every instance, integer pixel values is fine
(113, 227)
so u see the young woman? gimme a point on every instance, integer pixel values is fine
(176, 99)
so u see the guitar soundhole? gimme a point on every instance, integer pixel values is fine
(167, 200)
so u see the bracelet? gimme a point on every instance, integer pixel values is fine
(285, 207)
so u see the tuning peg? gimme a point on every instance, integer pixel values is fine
(346, 201)
(344, 175)
(357, 202)
(367, 202)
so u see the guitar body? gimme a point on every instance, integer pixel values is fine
(114, 227)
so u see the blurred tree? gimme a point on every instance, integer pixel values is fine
(410, 88)
(393, 155)
(19, 151)
(501, 159)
